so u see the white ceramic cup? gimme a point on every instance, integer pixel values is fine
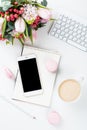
(70, 89)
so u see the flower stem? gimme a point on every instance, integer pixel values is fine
(21, 40)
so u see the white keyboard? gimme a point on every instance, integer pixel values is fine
(70, 31)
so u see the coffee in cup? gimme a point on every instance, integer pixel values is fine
(69, 90)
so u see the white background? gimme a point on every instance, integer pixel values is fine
(73, 63)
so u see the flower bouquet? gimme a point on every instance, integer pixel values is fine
(20, 18)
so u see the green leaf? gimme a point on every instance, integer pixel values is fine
(4, 27)
(26, 30)
(29, 1)
(39, 5)
(30, 33)
(11, 25)
(10, 38)
(12, 1)
(44, 3)
(5, 4)
(5, 0)
(1, 9)
(7, 36)
(7, 42)
(21, 40)
(41, 25)
(8, 30)
(21, 1)
(7, 7)
(31, 37)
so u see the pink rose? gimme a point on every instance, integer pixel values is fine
(44, 13)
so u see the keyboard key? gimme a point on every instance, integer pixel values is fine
(83, 33)
(67, 25)
(66, 30)
(62, 33)
(64, 38)
(70, 37)
(85, 45)
(64, 19)
(73, 22)
(78, 36)
(71, 27)
(56, 35)
(68, 21)
(58, 31)
(76, 45)
(63, 23)
(74, 39)
(76, 25)
(74, 34)
(59, 21)
(70, 32)
(66, 35)
(86, 40)
(61, 16)
(86, 35)
(82, 38)
(57, 25)
(60, 37)
(54, 29)
(75, 29)
(52, 33)
(80, 27)
(82, 43)
(62, 28)
(79, 31)
(78, 41)
(84, 29)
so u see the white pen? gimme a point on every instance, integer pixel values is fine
(15, 106)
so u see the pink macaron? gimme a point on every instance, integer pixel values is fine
(54, 118)
(51, 65)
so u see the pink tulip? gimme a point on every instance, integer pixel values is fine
(20, 25)
(44, 13)
(1, 24)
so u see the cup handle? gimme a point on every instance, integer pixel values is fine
(81, 80)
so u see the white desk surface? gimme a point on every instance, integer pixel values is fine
(73, 62)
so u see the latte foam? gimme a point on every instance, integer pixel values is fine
(69, 90)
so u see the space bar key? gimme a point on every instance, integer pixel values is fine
(76, 45)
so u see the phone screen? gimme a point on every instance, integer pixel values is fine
(29, 75)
